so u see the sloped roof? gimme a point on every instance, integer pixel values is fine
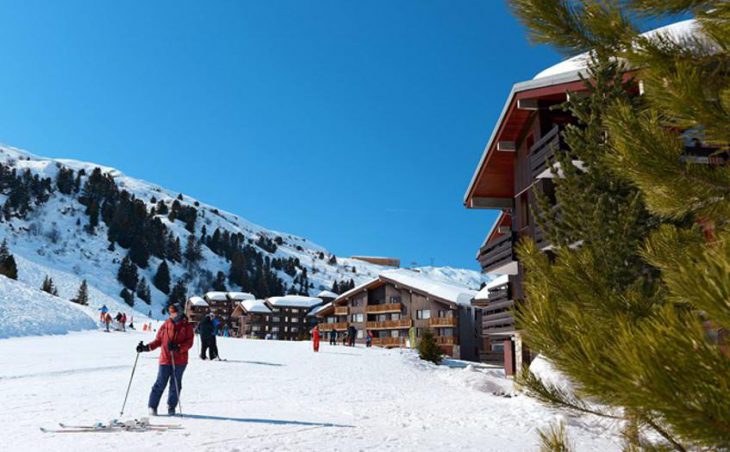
(450, 292)
(257, 306)
(294, 301)
(240, 296)
(500, 280)
(216, 296)
(197, 301)
(327, 294)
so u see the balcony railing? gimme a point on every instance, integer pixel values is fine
(497, 253)
(342, 310)
(383, 308)
(499, 294)
(445, 340)
(339, 326)
(388, 341)
(442, 322)
(389, 324)
(542, 153)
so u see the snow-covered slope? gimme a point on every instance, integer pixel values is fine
(25, 311)
(272, 396)
(53, 238)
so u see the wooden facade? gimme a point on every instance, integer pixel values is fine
(391, 311)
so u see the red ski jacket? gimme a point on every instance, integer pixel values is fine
(180, 333)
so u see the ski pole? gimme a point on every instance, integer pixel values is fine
(121, 413)
(174, 378)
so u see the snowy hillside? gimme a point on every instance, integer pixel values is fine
(27, 311)
(272, 395)
(72, 221)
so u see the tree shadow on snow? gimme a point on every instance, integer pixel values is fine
(264, 421)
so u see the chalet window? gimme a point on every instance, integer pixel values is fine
(331, 319)
(295, 319)
(445, 313)
(423, 314)
(394, 333)
(448, 332)
(360, 334)
(275, 319)
(395, 299)
(294, 329)
(497, 347)
(295, 311)
(357, 318)
(274, 329)
(395, 316)
(382, 317)
(355, 303)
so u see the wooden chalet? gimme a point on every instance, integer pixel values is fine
(253, 319)
(195, 309)
(519, 160)
(289, 316)
(401, 302)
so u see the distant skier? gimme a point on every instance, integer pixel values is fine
(207, 338)
(124, 321)
(107, 321)
(216, 325)
(333, 337)
(369, 339)
(175, 337)
(315, 338)
(102, 313)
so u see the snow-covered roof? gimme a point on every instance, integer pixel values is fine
(317, 309)
(327, 294)
(294, 301)
(445, 291)
(676, 31)
(216, 296)
(500, 280)
(197, 301)
(240, 296)
(258, 306)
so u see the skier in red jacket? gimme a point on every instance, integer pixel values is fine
(315, 338)
(175, 337)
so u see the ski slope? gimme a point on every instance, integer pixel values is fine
(269, 395)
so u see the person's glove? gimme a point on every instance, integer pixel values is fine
(173, 347)
(142, 348)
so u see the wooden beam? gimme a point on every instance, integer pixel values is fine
(528, 104)
(480, 202)
(506, 146)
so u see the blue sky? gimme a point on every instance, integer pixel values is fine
(355, 124)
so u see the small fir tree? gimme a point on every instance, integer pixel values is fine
(161, 280)
(48, 286)
(127, 273)
(8, 266)
(428, 348)
(82, 297)
(219, 283)
(127, 296)
(178, 294)
(143, 291)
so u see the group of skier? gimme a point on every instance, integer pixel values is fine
(348, 338)
(105, 318)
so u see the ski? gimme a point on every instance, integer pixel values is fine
(136, 425)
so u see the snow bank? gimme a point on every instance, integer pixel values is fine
(25, 311)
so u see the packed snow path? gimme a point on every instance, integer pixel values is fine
(269, 395)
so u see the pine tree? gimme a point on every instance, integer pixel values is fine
(220, 282)
(8, 266)
(127, 273)
(143, 291)
(179, 293)
(127, 296)
(428, 348)
(161, 279)
(48, 286)
(193, 249)
(638, 327)
(82, 297)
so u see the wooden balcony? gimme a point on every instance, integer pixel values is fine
(498, 253)
(442, 322)
(342, 310)
(388, 341)
(383, 308)
(339, 326)
(445, 340)
(542, 153)
(389, 324)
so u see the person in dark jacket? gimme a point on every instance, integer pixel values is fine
(207, 338)
(333, 337)
(175, 337)
(351, 335)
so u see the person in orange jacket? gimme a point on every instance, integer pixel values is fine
(175, 337)
(315, 338)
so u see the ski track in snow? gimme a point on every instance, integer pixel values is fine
(268, 396)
